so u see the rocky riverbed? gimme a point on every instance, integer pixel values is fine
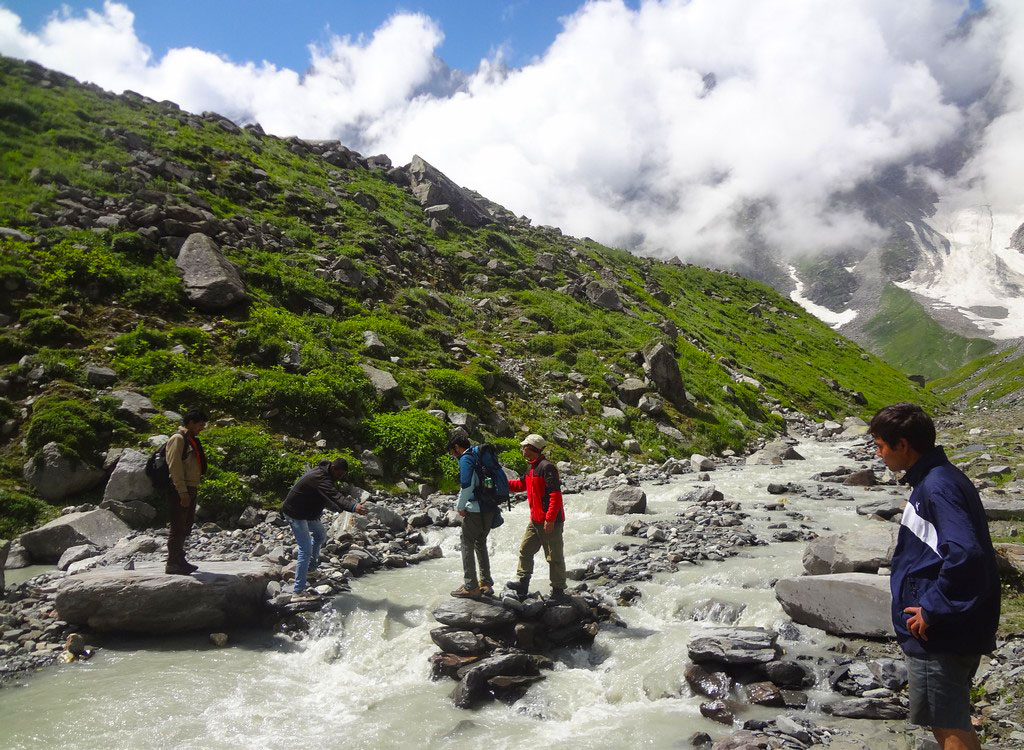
(781, 682)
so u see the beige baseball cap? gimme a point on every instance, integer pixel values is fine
(535, 440)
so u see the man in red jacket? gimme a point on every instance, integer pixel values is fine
(544, 493)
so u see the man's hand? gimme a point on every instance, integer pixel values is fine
(549, 526)
(186, 500)
(360, 509)
(916, 624)
(462, 513)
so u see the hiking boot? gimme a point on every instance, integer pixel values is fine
(177, 569)
(305, 596)
(191, 568)
(465, 592)
(558, 596)
(487, 589)
(520, 587)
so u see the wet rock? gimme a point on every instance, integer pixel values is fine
(626, 499)
(146, 600)
(774, 454)
(710, 684)
(717, 711)
(211, 281)
(890, 673)
(733, 646)
(788, 674)
(455, 641)
(100, 528)
(702, 496)
(56, 477)
(863, 551)
(861, 478)
(220, 640)
(840, 603)
(764, 694)
(866, 708)
(469, 614)
(716, 610)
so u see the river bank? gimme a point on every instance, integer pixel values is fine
(361, 674)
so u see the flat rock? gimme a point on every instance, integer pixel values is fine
(146, 600)
(839, 603)
(468, 614)
(1003, 510)
(383, 382)
(863, 551)
(211, 281)
(734, 646)
(455, 641)
(99, 527)
(887, 507)
(77, 553)
(626, 499)
(867, 708)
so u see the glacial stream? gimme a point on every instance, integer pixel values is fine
(363, 682)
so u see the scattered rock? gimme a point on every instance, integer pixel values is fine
(626, 499)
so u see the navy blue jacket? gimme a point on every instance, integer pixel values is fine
(944, 563)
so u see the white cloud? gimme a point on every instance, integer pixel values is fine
(613, 132)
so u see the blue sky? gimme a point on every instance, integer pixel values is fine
(279, 32)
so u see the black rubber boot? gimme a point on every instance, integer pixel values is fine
(520, 587)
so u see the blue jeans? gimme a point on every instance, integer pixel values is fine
(310, 536)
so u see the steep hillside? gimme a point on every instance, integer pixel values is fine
(995, 380)
(353, 271)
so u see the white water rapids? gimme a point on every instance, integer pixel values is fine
(364, 682)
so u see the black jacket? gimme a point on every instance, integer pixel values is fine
(312, 493)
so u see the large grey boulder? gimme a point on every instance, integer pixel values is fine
(661, 367)
(431, 187)
(840, 603)
(5, 547)
(603, 296)
(862, 551)
(136, 513)
(99, 527)
(1003, 510)
(128, 481)
(135, 409)
(699, 463)
(383, 382)
(386, 516)
(77, 553)
(631, 390)
(55, 476)
(211, 281)
(17, 556)
(626, 499)
(774, 454)
(469, 614)
(146, 600)
(734, 646)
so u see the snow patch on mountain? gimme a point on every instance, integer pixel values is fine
(834, 319)
(967, 263)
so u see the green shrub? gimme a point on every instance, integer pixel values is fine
(60, 364)
(131, 243)
(20, 512)
(19, 112)
(251, 451)
(12, 348)
(409, 440)
(50, 331)
(196, 340)
(155, 287)
(549, 343)
(223, 493)
(74, 265)
(80, 428)
(515, 460)
(152, 368)
(457, 387)
(139, 341)
(75, 141)
(300, 398)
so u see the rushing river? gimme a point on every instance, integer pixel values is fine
(363, 681)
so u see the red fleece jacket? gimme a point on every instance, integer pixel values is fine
(543, 491)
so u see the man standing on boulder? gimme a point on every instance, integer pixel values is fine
(186, 464)
(945, 584)
(476, 523)
(303, 507)
(544, 492)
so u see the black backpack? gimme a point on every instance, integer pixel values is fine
(156, 467)
(492, 485)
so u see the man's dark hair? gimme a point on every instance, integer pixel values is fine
(899, 421)
(459, 440)
(340, 465)
(194, 415)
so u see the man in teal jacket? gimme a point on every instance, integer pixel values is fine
(476, 524)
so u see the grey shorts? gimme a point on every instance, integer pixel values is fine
(940, 690)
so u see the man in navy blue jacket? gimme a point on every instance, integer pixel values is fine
(945, 584)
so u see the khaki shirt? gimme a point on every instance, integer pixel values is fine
(187, 473)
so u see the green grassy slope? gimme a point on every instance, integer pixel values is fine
(907, 337)
(993, 379)
(328, 251)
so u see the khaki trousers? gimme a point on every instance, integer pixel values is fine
(534, 539)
